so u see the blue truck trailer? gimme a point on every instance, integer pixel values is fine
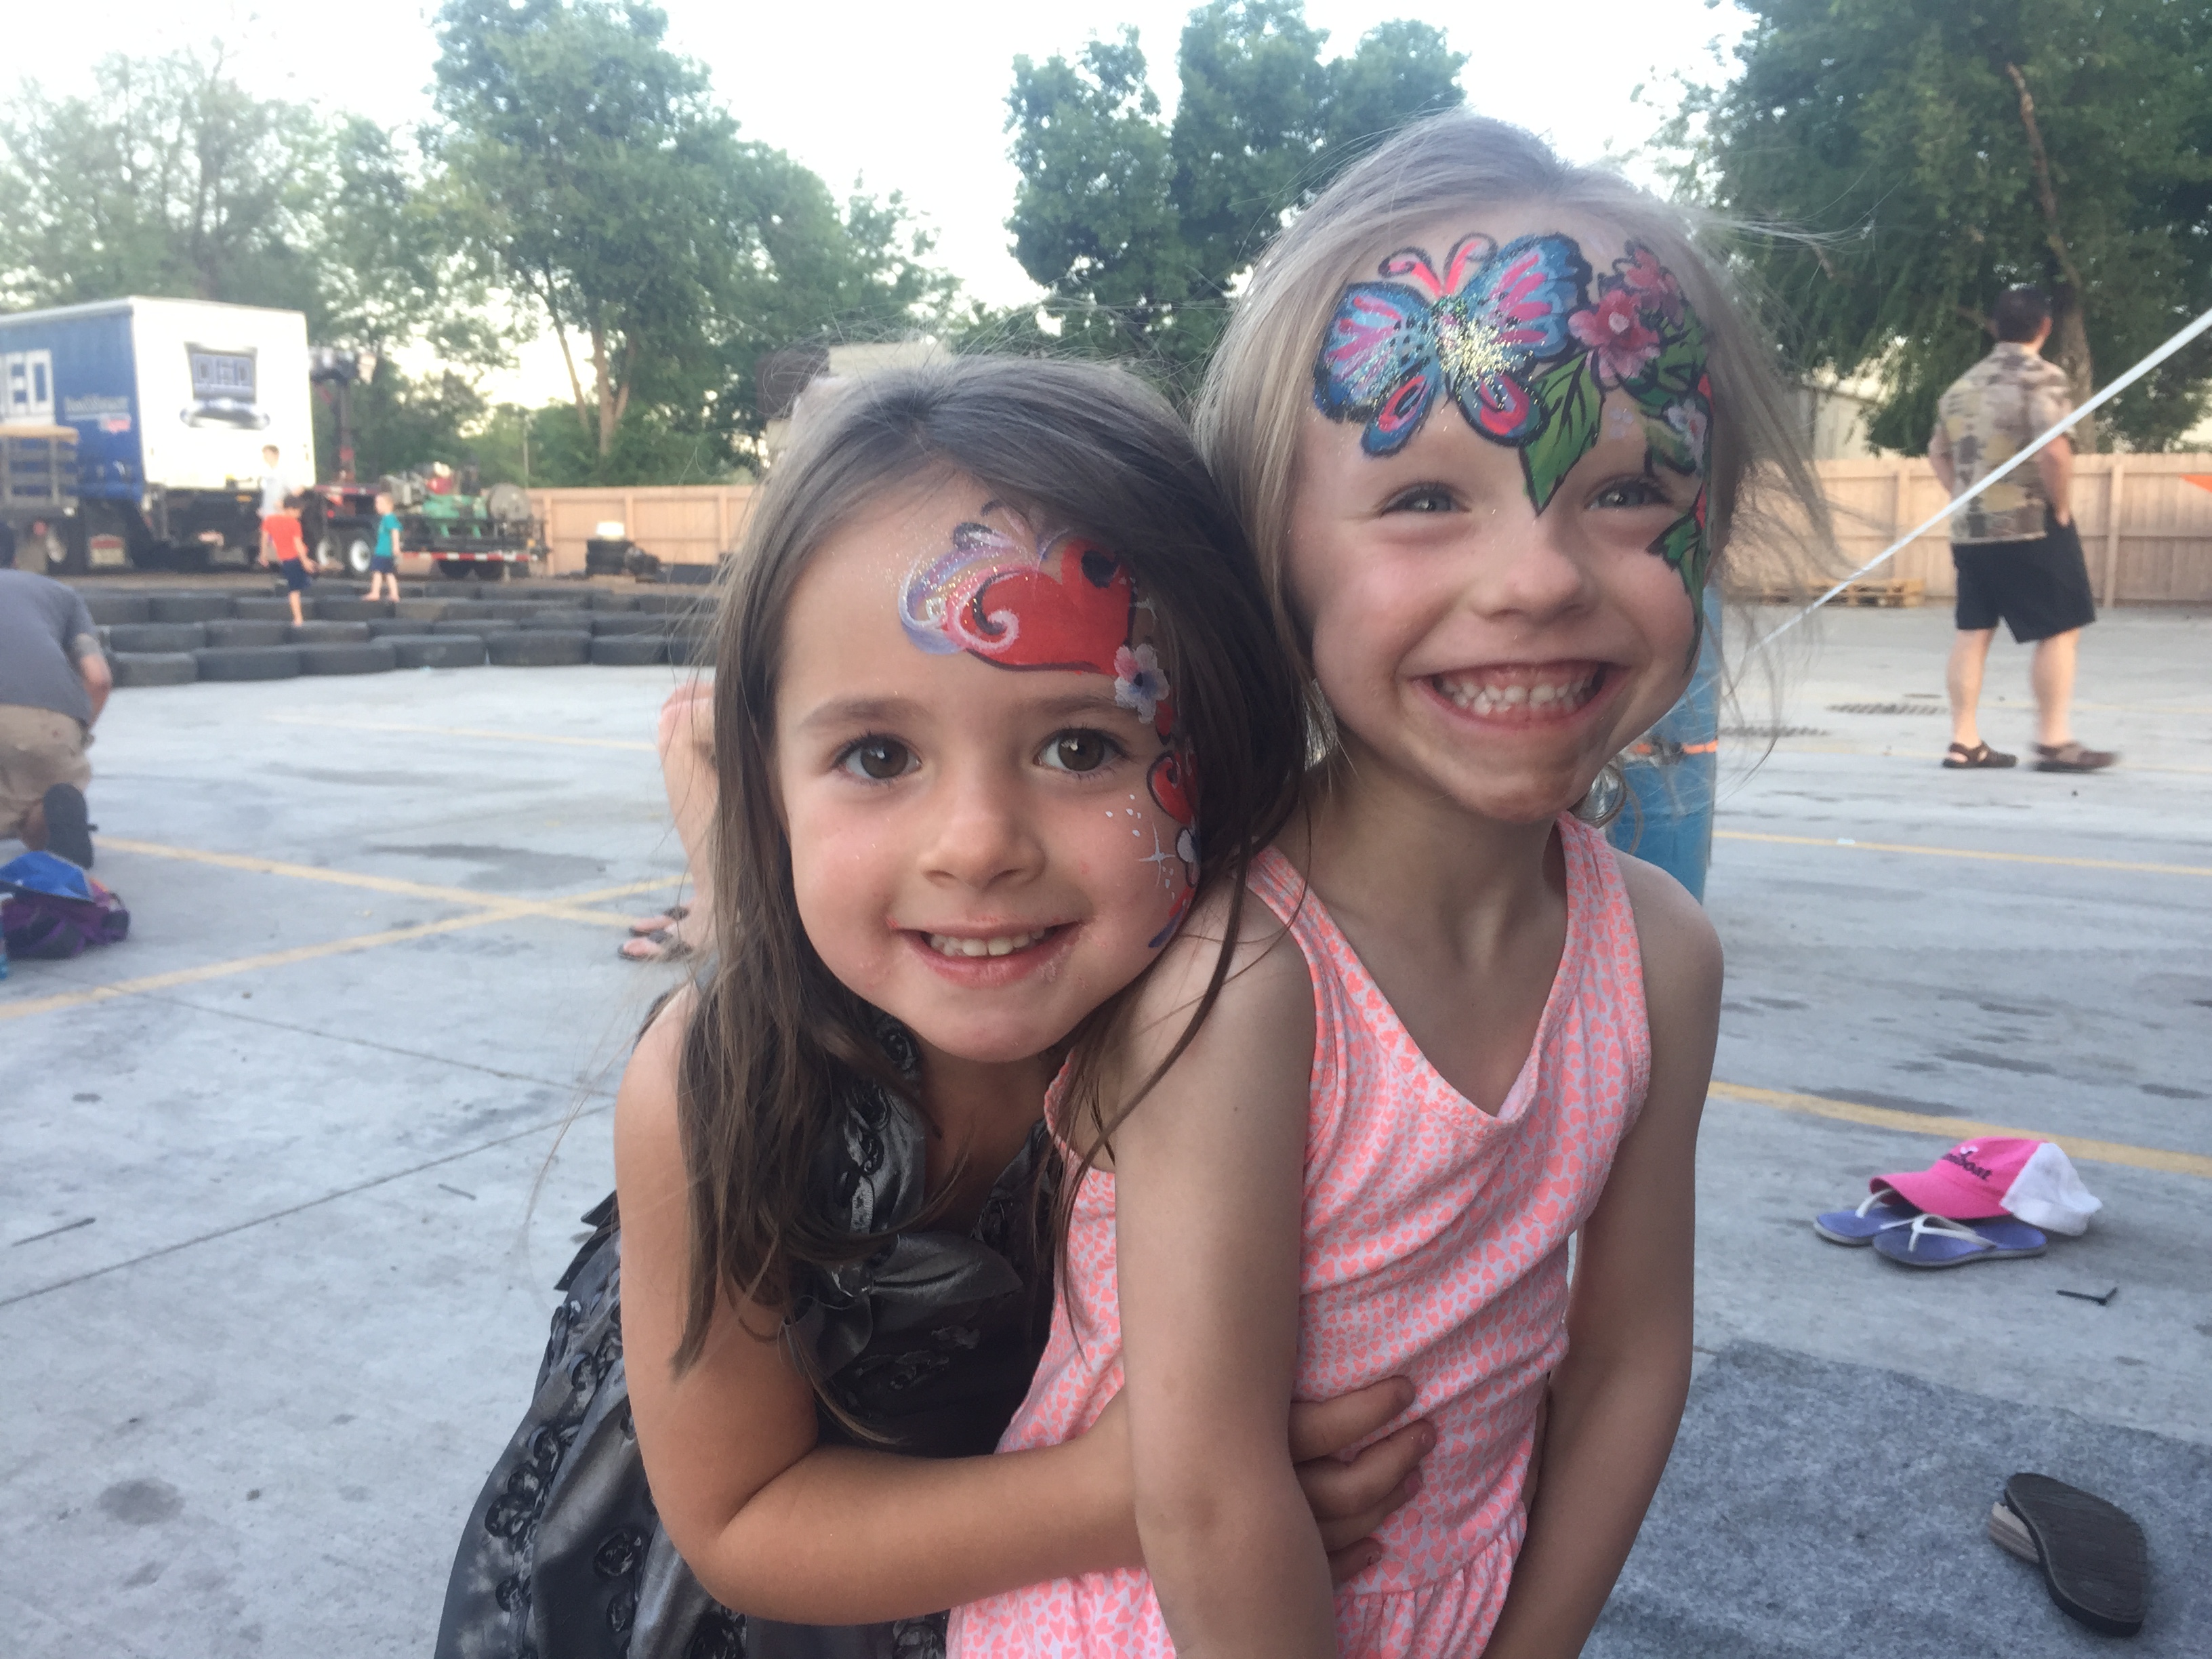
(171, 402)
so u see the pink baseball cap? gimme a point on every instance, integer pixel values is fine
(2004, 1174)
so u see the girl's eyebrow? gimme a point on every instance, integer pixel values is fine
(846, 711)
(856, 711)
(1101, 700)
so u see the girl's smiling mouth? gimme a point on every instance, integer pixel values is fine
(1005, 953)
(996, 945)
(1523, 693)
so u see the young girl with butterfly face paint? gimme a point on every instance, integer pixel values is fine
(1486, 418)
(993, 628)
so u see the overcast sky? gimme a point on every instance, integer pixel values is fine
(907, 97)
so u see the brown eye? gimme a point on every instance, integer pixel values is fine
(1078, 751)
(879, 759)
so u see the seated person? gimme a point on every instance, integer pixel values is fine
(54, 681)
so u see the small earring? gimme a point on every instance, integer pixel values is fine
(1606, 797)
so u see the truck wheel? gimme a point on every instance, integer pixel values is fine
(491, 570)
(457, 568)
(249, 662)
(231, 631)
(533, 649)
(350, 656)
(108, 609)
(437, 650)
(153, 667)
(189, 607)
(162, 636)
(628, 650)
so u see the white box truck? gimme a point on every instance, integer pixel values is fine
(172, 401)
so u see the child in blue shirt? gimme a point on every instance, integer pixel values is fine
(384, 562)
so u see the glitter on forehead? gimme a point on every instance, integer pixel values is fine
(1471, 348)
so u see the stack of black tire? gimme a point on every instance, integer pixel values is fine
(174, 638)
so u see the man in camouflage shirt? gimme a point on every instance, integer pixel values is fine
(2014, 546)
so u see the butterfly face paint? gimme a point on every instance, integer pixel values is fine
(1528, 347)
(1033, 600)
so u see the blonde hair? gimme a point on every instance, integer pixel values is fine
(1260, 385)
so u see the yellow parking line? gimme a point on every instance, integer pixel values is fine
(573, 907)
(129, 988)
(483, 909)
(627, 890)
(262, 866)
(1959, 1128)
(1964, 853)
(461, 732)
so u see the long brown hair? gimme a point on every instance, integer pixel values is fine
(773, 1035)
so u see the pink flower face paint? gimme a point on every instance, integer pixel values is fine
(1032, 600)
(1527, 342)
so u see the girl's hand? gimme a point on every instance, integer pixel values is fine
(1348, 1500)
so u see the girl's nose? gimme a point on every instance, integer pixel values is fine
(1532, 572)
(984, 836)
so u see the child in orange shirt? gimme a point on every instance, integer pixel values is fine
(288, 546)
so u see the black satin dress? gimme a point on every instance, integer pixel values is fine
(930, 1343)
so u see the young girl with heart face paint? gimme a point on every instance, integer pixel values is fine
(993, 643)
(1487, 418)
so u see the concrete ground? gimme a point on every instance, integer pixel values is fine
(288, 1175)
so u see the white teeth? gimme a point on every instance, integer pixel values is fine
(1004, 944)
(1491, 699)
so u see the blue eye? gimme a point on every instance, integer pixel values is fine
(1080, 751)
(877, 759)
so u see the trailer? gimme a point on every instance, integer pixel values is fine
(442, 517)
(38, 495)
(171, 402)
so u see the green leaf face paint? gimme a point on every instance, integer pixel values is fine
(1529, 342)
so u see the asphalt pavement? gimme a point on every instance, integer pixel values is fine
(288, 1176)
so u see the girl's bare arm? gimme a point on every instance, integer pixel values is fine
(1617, 1398)
(777, 1526)
(1209, 1195)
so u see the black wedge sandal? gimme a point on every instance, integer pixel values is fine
(1962, 758)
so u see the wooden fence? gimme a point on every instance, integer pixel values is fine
(678, 524)
(2146, 524)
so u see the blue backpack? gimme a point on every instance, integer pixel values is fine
(53, 910)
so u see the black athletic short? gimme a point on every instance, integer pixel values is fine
(2037, 589)
(297, 580)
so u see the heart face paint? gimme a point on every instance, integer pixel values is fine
(1033, 600)
(1519, 338)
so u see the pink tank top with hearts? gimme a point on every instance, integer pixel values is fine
(1436, 1247)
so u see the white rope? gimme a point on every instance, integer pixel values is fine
(1944, 512)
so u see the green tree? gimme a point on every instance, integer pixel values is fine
(1139, 228)
(1936, 153)
(171, 181)
(401, 421)
(596, 177)
(592, 170)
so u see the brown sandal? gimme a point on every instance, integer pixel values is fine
(662, 947)
(647, 926)
(1962, 758)
(2071, 756)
